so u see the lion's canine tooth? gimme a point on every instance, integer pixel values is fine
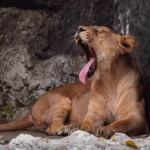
(77, 40)
(89, 71)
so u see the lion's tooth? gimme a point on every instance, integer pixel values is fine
(77, 40)
(84, 43)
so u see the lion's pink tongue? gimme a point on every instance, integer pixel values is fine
(83, 73)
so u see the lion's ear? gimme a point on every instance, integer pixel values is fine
(127, 43)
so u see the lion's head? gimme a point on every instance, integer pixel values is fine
(102, 47)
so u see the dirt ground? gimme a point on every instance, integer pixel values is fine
(7, 136)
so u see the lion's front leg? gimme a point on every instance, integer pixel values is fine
(96, 115)
(92, 121)
(131, 126)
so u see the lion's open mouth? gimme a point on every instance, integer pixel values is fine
(89, 69)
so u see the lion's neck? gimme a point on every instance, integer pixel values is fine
(114, 67)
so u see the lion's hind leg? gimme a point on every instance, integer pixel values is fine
(60, 112)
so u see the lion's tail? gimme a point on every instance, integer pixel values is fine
(18, 124)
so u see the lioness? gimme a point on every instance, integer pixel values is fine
(109, 99)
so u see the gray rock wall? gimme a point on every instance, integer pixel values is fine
(24, 77)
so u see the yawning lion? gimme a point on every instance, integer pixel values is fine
(109, 99)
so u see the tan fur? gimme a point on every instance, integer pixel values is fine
(111, 101)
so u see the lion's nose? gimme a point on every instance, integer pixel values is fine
(81, 29)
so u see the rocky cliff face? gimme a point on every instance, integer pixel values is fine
(38, 53)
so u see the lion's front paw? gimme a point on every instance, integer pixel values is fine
(58, 130)
(73, 128)
(104, 132)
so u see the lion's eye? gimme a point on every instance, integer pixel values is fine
(102, 31)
